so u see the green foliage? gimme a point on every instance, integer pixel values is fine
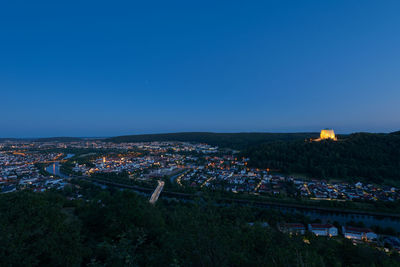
(35, 231)
(366, 157)
(120, 228)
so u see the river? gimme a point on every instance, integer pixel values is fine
(325, 216)
(55, 167)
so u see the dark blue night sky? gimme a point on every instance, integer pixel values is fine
(103, 68)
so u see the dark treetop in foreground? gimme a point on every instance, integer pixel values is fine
(119, 228)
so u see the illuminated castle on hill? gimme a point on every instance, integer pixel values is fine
(327, 134)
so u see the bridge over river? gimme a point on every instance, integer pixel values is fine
(369, 218)
(342, 216)
(156, 194)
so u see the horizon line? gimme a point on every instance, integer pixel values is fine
(180, 132)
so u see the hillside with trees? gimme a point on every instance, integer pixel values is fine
(120, 228)
(360, 156)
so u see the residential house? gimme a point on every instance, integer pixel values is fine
(323, 229)
(359, 233)
(293, 228)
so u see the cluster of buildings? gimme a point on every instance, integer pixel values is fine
(135, 164)
(356, 234)
(151, 159)
(202, 165)
(221, 172)
(349, 232)
(205, 168)
(230, 174)
(190, 165)
(174, 147)
(317, 189)
(101, 144)
(18, 170)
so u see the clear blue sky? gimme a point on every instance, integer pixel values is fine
(103, 68)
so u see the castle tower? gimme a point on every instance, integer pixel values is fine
(328, 134)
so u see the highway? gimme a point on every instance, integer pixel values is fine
(157, 191)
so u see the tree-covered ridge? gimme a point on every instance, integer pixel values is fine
(58, 139)
(232, 140)
(114, 228)
(362, 156)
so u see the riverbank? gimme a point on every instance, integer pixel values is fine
(54, 168)
(343, 216)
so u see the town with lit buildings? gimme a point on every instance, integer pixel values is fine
(28, 165)
(199, 166)
(204, 169)
(20, 171)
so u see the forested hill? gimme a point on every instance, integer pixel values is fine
(232, 140)
(362, 156)
(58, 139)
